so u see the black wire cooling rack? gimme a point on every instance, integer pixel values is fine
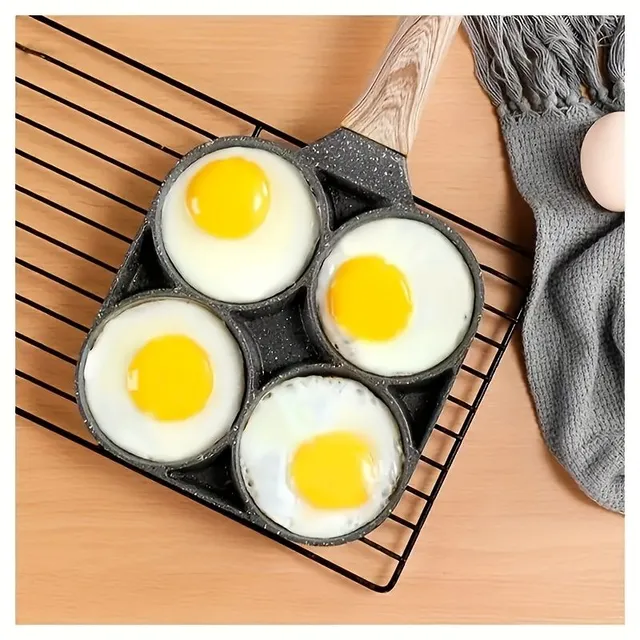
(47, 277)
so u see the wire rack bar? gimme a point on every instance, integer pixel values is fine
(87, 149)
(45, 385)
(80, 181)
(54, 278)
(118, 92)
(51, 312)
(380, 548)
(97, 117)
(447, 432)
(66, 247)
(241, 115)
(418, 493)
(73, 214)
(503, 276)
(442, 468)
(44, 347)
(474, 372)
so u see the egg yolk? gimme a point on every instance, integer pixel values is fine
(229, 198)
(170, 378)
(333, 470)
(370, 298)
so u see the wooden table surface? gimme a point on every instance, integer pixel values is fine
(510, 537)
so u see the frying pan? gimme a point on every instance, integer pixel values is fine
(356, 173)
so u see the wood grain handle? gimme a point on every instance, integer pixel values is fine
(389, 110)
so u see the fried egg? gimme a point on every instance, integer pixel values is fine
(320, 455)
(395, 296)
(240, 224)
(164, 379)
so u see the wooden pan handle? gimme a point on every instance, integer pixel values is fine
(389, 110)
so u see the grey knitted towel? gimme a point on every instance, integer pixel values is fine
(543, 75)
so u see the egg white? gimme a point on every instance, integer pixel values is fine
(300, 409)
(255, 267)
(105, 380)
(442, 294)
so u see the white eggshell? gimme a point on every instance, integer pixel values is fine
(602, 161)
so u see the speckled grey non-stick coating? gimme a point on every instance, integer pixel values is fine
(354, 180)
